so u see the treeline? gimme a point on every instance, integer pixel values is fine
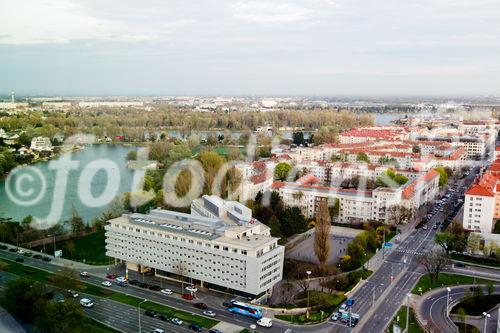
(133, 123)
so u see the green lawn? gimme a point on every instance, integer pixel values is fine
(89, 249)
(400, 320)
(44, 277)
(445, 279)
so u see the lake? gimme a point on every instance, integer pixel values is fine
(94, 180)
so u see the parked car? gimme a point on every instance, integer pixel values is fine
(214, 330)
(209, 313)
(155, 288)
(144, 285)
(187, 296)
(459, 264)
(86, 303)
(336, 316)
(27, 254)
(176, 321)
(72, 293)
(3, 247)
(47, 259)
(158, 330)
(13, 249)
(202, 306)
(166, 291)
(195, 327)
(19, 259)
(121, 283)
(134, 282)
(162, 317)
(349, 302)
(192, 289)
(106, 283)
(150, 313)
(84, 274)
(111, 276)
(37, 256)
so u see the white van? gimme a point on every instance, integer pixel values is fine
(86, 303)
(265, 322)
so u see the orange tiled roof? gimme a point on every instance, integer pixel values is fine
(484, 187)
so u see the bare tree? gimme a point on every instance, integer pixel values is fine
(322, 234)
(434, 262)
(398, 214)
(181, 270)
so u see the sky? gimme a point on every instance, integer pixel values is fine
(254, 47)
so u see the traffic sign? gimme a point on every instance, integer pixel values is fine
(388, 245)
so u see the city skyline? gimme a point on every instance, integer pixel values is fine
(250, 47)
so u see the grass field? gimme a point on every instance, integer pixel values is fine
(89, 249)
(445, 279)
(400, 320)
(44, 277)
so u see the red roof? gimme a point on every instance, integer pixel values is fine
(409, 190)
(307, 180)
(484, 187)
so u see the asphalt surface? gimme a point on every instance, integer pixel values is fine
(432, 307)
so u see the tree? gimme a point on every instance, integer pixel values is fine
(443, 175)
(76, 221)
(132, 155)
(322, 234)
(398, 214)
(275, 226)
(69, 247)
(66, 278)
(363, 157)
(298, 138)
(434, 262)
(462, 315)
(282, 170)
(60, 317)
(445, 240)
(23, 299)
(474, 242)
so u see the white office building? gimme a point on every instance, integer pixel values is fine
(218, 246)
(41, 143)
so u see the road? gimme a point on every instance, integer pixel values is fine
(432, 308)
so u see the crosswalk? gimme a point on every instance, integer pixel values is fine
(407, 251)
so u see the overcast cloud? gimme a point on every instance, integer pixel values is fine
(250, 47)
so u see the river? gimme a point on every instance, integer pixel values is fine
(97, 180)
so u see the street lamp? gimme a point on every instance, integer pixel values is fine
(307, 310)
(486, 316)
(408, 312)
(139, 311)
(447, 299)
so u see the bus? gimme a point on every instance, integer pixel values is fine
(245, 309)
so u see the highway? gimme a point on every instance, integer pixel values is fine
(432, 307)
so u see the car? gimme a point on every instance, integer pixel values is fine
(214, 330)
(158, 330)
(37, 256)
(209, 313)
(121, 283)
(336, 316)
(21, 251)
(27, 254)
(343, 308)
(47, 259)
(155, 288)
(187, 296)
(134, 282)
(425, 227)
(84, 274)
(86, 303)
(111, 276)
(19, 259)
(265, 322)
(162, 317)
(144, 285)
(459, 264)
(166, 291)
(195, 327)
(176, 321)
(200, 305)
(151, 313)
(349, 302)
(435, 226)
(72, 293)
(106, 283)
(121, 278)
(226, 304)
(3, 247)
(192, 289)
(13, 249)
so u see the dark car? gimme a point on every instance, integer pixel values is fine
(19, 259)
(111, 276)
(162, 317)
(214, 330)
(202, 306)
(144, 285)
(155, 288)
(27, 254)
(195, 327)
(459, 264)
(37, 256)
(47, 259)
(134, 282)
(226, 304)
(13, 249)
(150, 313)
(3, 247)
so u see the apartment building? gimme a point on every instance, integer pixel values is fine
(41, 143)
(218, 246)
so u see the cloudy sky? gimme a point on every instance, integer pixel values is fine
(299, 47)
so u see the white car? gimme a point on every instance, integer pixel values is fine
(192, 289)
(209, 313)
(84, 274)
(106, 283)
(265, 322)
(86, 303)
(166, 291)
(158, 330)
(121, 279)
